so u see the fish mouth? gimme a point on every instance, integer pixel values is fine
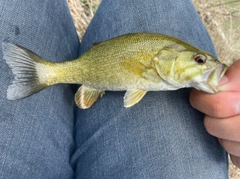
(215, 76)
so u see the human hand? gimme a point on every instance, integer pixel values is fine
(222, 111)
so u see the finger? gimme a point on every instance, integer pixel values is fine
(235, 160)
(227, 128)
(220, 105)
(231, 147)
(231, 79)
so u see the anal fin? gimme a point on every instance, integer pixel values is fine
(85, 97)
(133, 96)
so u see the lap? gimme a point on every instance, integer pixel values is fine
(160, 137)
(36, 132)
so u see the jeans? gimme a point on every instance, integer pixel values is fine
(47, 136)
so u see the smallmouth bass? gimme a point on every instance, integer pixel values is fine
(137, 63)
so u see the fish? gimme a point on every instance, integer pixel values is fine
(135, 63)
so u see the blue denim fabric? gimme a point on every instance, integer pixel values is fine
(36, 133)
(160, 137)
(45, 136)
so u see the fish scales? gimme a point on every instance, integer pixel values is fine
(137, 63)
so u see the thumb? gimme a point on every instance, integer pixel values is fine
(231, 79)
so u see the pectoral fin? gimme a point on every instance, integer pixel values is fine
(165, 60)
(133, 96)
(85, 97)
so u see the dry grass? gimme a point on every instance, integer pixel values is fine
(82, 12)
(221, 18)
(233, 172)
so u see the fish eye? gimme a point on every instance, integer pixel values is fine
(200, 59)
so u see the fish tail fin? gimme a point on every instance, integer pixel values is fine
(25, 66)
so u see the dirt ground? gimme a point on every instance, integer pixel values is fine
(220, 17)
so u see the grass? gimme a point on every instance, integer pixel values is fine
(222, 20)
(82, 12)
(220, 17)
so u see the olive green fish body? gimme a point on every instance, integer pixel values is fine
(137, 63)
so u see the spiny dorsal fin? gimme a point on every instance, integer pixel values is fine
(96, 43)
(85, 97)
(133, 96)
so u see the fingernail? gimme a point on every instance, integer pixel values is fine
(237, 107)
(223, 80)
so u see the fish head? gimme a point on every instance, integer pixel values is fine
(191, 68)
(208, 73)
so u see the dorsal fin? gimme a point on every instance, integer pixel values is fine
(96, 43)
